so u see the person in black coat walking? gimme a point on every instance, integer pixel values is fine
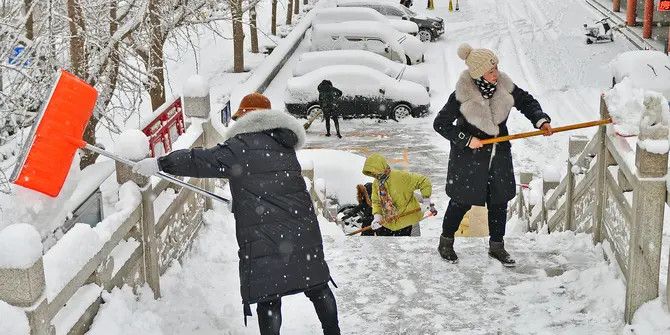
(281, 250)
(482, 174)
(328, 94)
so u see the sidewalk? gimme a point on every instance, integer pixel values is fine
(633, 34)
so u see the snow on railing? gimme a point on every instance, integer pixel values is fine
(619, 197)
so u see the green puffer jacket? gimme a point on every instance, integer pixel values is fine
(401, 186)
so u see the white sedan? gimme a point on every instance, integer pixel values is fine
(365, 93)
(311, 61)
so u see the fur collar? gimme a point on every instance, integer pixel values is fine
(262, 120)
(485, 114)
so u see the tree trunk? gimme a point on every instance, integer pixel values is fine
(289, 12)
(254, 30)
(274, 18)
(238, 36)
(296, 7)
(77, 43)
(156, 62)
(29, 20)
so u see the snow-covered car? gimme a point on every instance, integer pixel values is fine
(338, 15)
(377, 37)
(311, 61)
(646, 69)
(430, 28)
(365, 92)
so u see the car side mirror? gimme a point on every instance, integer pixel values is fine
(382, 91)
(405, 18)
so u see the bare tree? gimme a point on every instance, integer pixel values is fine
(253, 28)
(238, 35)
(273, 28)
(28, 4)
(296, 7)
(289, 12)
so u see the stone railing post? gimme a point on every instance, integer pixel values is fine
(575, 148)
(601, 166)
(151, 269)
(23, 287)
(524, 179)
(197, 104)
(649, 194)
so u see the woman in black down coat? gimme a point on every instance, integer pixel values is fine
(281, 251)
(482, 174)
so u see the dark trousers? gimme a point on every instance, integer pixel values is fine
(269, 312)
(383, 231)
(456, 212)
(328, 116)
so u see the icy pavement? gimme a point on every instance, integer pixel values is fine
(391, 286)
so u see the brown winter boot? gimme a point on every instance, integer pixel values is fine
(446, 249)
(497, 251)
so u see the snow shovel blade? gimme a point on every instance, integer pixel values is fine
(47, 155)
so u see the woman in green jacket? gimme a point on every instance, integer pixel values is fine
(394, 206)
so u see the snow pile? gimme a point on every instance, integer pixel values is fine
(340, 171)
(20, 246)
(81, 243)
(627, 105)
(132, 144)
(651, 318)
(196, 86)
(13, 320)
(646, 69)
(45, 213)
(125, 313)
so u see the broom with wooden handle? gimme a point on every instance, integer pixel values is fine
(542, 132)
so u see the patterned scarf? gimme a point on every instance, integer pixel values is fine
(487, 89)
(388, 208)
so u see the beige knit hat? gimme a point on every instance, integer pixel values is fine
(479, 61)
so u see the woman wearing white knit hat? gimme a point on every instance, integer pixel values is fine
(482, 174)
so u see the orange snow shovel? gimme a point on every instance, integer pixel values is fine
(541, 132)
(358, 231)
(57, 134)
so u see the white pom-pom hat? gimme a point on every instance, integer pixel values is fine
(479, 61)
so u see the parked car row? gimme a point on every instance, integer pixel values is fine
(366, 49)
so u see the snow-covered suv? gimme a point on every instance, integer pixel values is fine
(337, 15)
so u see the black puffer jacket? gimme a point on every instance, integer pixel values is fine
(281, 249)
(471, 172)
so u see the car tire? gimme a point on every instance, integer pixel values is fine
(311, 110)
(401, 111)
(425, 35)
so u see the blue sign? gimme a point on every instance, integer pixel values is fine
(16, 56)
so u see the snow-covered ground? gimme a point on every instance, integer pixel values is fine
(562, 285)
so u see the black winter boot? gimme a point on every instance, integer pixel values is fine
(446, 249)
(497, 251)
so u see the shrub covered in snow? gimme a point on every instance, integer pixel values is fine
(628, 106)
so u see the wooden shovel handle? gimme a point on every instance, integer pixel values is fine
(541, 132)
(393, 218)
